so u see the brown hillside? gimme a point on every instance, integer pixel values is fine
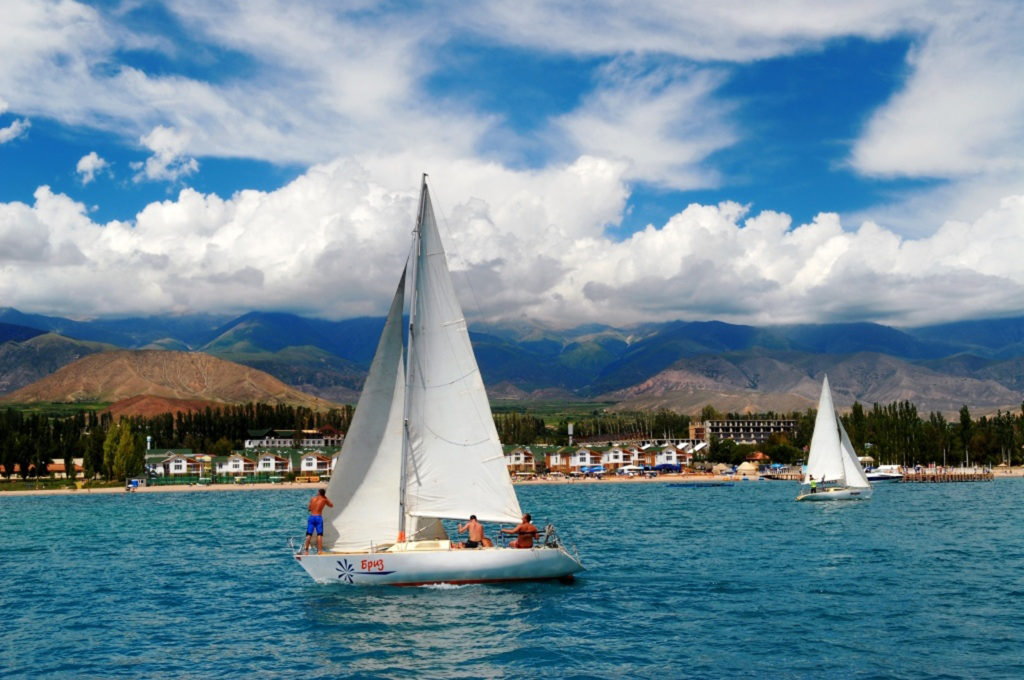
(148, 406)
(119, 375)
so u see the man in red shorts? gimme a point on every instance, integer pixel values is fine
(526, 533)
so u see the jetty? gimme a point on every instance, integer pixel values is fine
(956, 475)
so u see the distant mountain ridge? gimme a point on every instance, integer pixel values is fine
(681, 365)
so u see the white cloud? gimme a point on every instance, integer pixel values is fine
(530, 244)
(15, 129)
(168, 161)
(318, 82)
(88, 165)
(959, 113)
(662, 121)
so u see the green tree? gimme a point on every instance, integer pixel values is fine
(222, 447)
(92, 458)
(130, 457)
(966, 432)
(709, 412)
(110, 444)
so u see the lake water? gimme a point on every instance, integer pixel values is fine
(922, 581)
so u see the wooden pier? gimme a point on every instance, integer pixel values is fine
(784, 476)
(932, 476)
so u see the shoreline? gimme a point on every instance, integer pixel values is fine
(1000, 473)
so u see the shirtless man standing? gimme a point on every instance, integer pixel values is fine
(476, 533)
(527, 532)
(316, 521)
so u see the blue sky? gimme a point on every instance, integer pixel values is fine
(799, 162)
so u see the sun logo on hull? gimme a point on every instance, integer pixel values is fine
(345, 571)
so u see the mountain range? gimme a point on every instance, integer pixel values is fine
(678, 365)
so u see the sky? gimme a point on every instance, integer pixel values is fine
(755, 163)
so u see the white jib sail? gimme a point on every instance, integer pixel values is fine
(853, 470)
(456, 467)
(825, 459)
(364, 486)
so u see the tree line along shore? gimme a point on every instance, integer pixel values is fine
(38, 442)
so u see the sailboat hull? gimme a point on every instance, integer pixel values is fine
(837, 494)
(424, 567)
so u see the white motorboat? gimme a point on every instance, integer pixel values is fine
(832, 463)
(422, 447)
(884, 473)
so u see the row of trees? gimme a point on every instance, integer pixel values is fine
(894, 433)
(897, 434)
(524, 428)
(31, 441)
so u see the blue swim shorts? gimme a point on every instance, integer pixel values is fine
(316, 522)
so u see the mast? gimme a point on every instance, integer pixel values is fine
(414, 259)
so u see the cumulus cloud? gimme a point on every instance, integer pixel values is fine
(88, 165)
(319, 82)
(15, 129)
(168, 162)
(332, 243)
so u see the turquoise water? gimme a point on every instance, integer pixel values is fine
(923, 581)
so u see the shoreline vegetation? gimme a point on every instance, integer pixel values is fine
(1000, 473)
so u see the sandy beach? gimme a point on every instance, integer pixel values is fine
(1000, 473)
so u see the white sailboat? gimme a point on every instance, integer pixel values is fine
(832, 462)
(422, 447)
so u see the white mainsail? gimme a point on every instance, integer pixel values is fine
(456, 467)
(364, 486)
(825, 458)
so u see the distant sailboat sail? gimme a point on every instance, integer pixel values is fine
(831, 460)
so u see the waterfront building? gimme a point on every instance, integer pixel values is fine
(519, 459)
(322, 437)
(235, 464)
(748, 431)
(272, 464)
(558, 460)
(313, 463)
(616, 457)
(178, 465)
